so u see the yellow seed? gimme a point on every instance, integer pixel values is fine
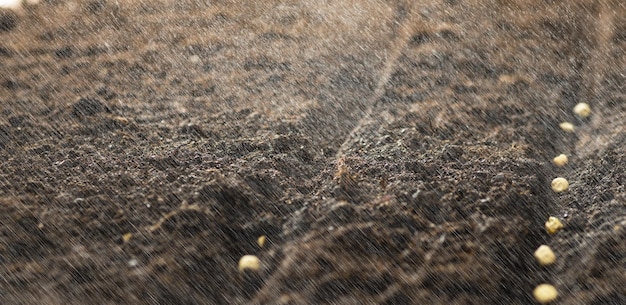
(544, 255)
(249, 262)
(582, 110)
(560, 160)
(126, 237)
(261, 240)
(567, 126)
(545, 293)
(559, 185)
(553, 225)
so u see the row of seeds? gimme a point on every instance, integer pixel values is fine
(546, 293)
(543, 293)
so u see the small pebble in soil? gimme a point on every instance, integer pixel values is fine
(545, 256)
(567, 126)
(194, 59)
(249, 262)
(133, 263)
(582, 110)
(559, 185)
(553, 225)
(560, 160)
(261, 241)
(122, 121)
(545, 293)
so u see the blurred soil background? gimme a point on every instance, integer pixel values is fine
(392, 152)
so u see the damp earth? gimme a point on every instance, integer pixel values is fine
(365, 152)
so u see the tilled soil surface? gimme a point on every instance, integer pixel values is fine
(391, 152)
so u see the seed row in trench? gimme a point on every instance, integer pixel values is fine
(546, 293)
(543, 293)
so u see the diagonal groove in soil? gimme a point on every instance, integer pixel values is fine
(405, 31)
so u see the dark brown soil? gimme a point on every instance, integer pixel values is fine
(392, 152)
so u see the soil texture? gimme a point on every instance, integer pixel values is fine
(391, 152)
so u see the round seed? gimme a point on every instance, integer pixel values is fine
(559, 185)
(261, 241)
(560, 160)
(582, 110)
(567, 126)
(249, 262)
(553, 225)
(544, 255)
(545, 293)
(126, 237)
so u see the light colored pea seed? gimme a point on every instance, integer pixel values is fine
(261, 241)
(559, 185)
(560, 160)
(249, 262)
(553, 225)
(545, 256)
(545, 293)
(567, 126)
(582, 110)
